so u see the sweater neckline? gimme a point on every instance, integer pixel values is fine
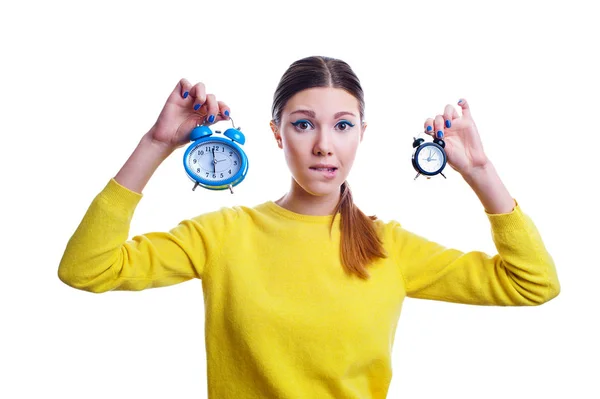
(286, 213)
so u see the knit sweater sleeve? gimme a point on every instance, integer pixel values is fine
(521, 273)
(99, 257)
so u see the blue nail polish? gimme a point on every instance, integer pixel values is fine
(185, 95)
(440, 134)
(226, 113)
(211, 119)
(429, 128)
(196, 107)
(448, 124)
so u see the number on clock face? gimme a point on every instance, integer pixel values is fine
(214, 161)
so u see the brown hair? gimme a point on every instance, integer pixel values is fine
(360, 243)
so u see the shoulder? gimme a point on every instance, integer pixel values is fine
(387, 226)
(395, 234)
(388, 230)
(229, 215)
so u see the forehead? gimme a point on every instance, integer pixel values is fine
(324, 101)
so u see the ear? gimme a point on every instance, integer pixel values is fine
(362, 132)
(276, 133)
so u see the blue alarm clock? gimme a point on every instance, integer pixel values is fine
(216, 163)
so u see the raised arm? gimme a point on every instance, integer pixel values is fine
(99, 257)
(521, 273)
(185, 108)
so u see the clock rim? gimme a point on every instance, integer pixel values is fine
(416, 163)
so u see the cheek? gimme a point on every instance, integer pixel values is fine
(294, 146)
(292, 153)
(349, 145)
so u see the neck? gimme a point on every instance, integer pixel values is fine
(299, 201)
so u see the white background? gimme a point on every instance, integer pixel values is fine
(81, 82)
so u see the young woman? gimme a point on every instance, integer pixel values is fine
(303, 294)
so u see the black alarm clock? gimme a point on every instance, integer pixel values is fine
(429, 158)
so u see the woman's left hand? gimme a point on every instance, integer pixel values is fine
(463, 144)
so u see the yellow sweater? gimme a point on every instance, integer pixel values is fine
(283, 319)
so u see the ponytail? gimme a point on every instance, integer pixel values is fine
(360, 244)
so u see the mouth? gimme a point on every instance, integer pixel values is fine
(325, 169)
(328, 173)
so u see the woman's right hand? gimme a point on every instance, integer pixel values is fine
(187, 107)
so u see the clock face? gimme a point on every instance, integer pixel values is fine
(214, 161)
(431, 158)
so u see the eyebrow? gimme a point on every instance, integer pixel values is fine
(312, 113)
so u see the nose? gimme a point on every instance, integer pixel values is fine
(322, 145)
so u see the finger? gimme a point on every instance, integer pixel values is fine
(224, 111)
(450, 114)
(212, 108)
(464, 105)
(179, 92)
(438, 126)
(198, 94)
(429, 126)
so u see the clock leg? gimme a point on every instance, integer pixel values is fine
(442, 175)
(195, 185)
(231, 188)
(418, 174)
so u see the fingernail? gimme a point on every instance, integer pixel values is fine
(196, 107)
(448, 124)
(211, 119)
(440, 134)
(429, 128)
(460, 101)
(186, 94)
(226, 113)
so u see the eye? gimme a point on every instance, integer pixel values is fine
(343, 125)
(302, 124)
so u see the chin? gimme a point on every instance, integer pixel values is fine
(320, 188)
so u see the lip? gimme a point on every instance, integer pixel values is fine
(324, 165)
(326, 173)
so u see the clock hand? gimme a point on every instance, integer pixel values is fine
(214, 161)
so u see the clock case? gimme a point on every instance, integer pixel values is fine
(419, 145)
